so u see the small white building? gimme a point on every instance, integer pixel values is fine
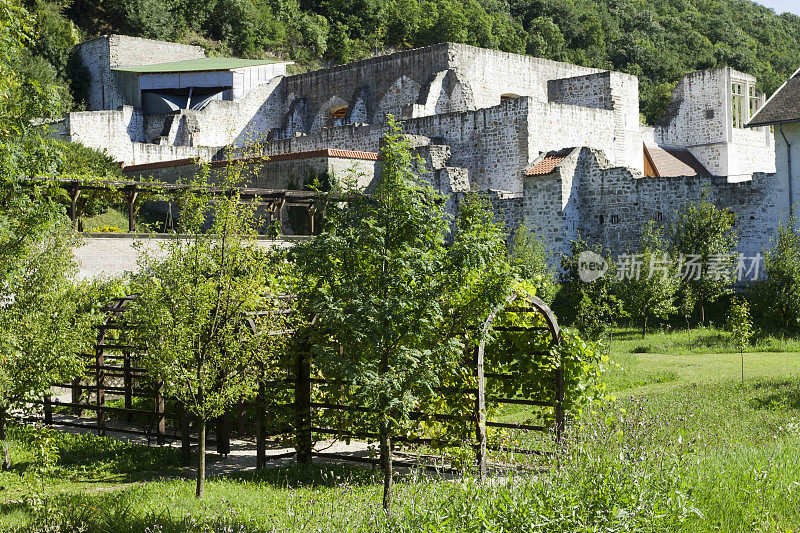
(782, 114)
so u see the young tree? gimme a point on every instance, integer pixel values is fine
(194, 296)
(41, 328)
(592, 306)
(650, 292)
(740, 325)
(779, 291)
(703, 239)
(388, 294)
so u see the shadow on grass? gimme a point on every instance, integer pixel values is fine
(786, 397)
(312, 475)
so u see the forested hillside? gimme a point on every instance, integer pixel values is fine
(658, 40)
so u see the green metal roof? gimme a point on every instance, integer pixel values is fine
(198, 65)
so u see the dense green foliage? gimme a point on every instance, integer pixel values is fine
(777, 296)
(703, 237)
(658, 40)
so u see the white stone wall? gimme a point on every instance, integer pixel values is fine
(787, 183)
(106, 52)
(103, 256)
(700, 118)
(488, 74)
(615, 203)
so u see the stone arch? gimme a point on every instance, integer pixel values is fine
(324, 117)
(397, 100)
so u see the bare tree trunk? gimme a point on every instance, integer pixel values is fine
(702, 313)
(386, 464)
(3, 436)
(201, 458)
(644, 326)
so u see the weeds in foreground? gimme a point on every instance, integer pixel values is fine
(717, 457)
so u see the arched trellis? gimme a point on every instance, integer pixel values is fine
(530, 304)
(309, 405)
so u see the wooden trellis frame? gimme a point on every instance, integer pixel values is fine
(274, 199)
(303, 382)
(298, 384)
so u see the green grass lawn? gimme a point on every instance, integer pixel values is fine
(685, 447)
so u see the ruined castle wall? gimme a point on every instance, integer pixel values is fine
(488, 74)
(550, 209)
(128, 51)
(416, 83)
(617, 203)
(699, 118)
(292, 173)
(376, 80)
(112, 131)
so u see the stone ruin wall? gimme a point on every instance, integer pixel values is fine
(626, 202)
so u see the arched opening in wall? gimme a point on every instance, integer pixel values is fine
(508, 96)
(337, 115)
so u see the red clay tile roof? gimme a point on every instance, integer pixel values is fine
(674, 162)
(325, 152)
(547, 165)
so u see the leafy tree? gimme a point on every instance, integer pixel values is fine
(391, 300)
(650, 292)
(740, 325)
(703, 240)
(41, 328)
(780, 289)
(593, 307)
(194, 297)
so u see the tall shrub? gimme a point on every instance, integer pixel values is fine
(705, 235)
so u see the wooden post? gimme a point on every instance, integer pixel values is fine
(261, 415)
(281, 203)
(74, 192)
(186, 440)
(302, 399)
(77, 396)
(159, 408)
(127, 382)
(48, 411)
(130, 196)
(480, 413)
(100, 378)
(312, 209)
(560, 415)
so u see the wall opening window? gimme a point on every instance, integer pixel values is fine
(755, 101)
(337, 115)
(737, 104)
(615, 219)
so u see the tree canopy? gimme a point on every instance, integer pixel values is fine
(657, 40)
